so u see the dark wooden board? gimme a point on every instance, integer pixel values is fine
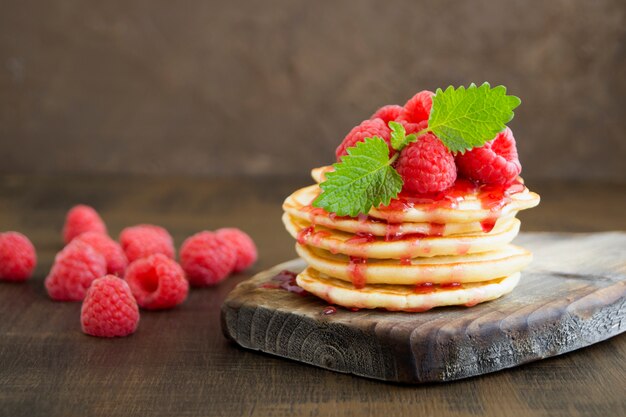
(572, 296)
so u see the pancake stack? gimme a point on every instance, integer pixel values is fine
(419, 252)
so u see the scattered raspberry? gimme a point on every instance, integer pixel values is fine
(74, 269)
(157, 282)
(367, 129)
(17, 257)
(417, 109)
(207, 259)
(144, 240)
(242, 245)
(426, 166)
(81, 219)
(388, 113)
(111, 250)
(109, 309)
(494, 163)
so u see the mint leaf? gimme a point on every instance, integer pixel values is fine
(364, 178)
(398, 136)
(467, 118)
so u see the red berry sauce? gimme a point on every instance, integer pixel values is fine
(449, 198)
(424, 288)
(309, 234)
(304, 234)
(361, 237)
(456, 285)
(356, 271)
(492, 198)
(329, 310)
(285, 280)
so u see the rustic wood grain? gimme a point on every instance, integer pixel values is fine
(178, 363)
(572, 296)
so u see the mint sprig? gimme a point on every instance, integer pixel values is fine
(462, 118)
(364, 178)
(467, 118)
(399, 139)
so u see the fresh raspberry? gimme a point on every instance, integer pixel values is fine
(418, 107)
(74, 269)
(144, 240)
(110, 249)
(207, 259)
(414, 127)
(109, 309)
(243, 246)
(494, 163)
(17, 257)
(157, 282)
(367, 129)
(81, 219)
(426, 166)
(388, 113)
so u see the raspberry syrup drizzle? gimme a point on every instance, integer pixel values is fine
(356, 271)
(424, 288)
(449, 198)
(364, 228)
(304, 234)
(491, 197)
(429, 287)
(361, 237)
(329, 310)
(285, 280)
(309, 234)
(494, 198)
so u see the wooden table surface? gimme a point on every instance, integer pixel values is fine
(179, 364)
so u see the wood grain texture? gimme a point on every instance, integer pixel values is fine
(572, 296)
(178, 363)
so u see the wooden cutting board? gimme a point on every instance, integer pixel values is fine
(573, 295)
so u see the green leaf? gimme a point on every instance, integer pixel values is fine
(364, 178)
(467, 118)
(398, 136)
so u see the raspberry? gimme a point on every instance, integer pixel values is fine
(418, 107)
(426, 166)
(109, 309)
(207, 258)
(414, 127)
(81, 219)
(144, 240)
(111, 250)
(157, 282)
(17, 257)
(388, 113)
(494, 163)
(242, 245)
(367, 129)
(74, 269)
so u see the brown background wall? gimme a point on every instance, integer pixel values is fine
(270, 87)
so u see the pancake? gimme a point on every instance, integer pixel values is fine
(403, 298)
(298, 205)
(438, 269)
(463, 203)
(409, 246)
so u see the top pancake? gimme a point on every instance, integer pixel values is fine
(298, 205)
(465, 206)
